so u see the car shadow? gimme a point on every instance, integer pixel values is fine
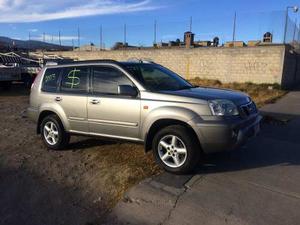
(28, 199)
(278, 143)
(83, 143)
(17, 89)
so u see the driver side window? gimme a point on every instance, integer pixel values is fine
(107, 79)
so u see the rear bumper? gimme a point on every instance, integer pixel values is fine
(32, 114)
(225, 134)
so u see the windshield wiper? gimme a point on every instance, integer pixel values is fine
(186, 87)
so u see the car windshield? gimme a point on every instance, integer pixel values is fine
(157, 78)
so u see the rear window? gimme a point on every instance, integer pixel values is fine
(75, 79)
(50, 80)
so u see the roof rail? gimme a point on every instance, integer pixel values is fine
(89, 61)
(140, 60)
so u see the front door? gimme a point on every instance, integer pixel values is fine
(110, 114)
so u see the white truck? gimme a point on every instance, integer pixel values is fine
(8, 74)
(14, 68)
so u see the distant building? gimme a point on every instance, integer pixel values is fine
(89, 47)
(202, 44)
(254, 43)
(268, 37)
(235, 44)
(189, 39)
(216, 41)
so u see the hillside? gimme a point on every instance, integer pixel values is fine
(9, 43)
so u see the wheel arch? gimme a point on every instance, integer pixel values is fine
(162, 123)
(45, 113)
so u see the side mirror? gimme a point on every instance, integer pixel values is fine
(127, 90)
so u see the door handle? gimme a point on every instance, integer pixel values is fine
(95, 101)
(58, 99)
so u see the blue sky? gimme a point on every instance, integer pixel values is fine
(18, 18)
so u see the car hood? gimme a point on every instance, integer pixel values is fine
(204, 93)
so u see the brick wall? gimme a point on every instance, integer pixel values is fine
(262, 64)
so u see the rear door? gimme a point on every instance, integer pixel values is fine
(72, 96)
(110, 114)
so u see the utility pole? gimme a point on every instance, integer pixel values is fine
(191, 23)
(101, 38)
(234, 27)
(59, 39)
(44, 37)
(295, 10)
(73, 44)
(29, 38)
(155, 32)
(78, 34)
(299, 33)
(295, 28)
(125, 34)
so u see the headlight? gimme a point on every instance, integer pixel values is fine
(223, 107)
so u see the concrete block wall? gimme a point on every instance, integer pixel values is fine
(261, 64)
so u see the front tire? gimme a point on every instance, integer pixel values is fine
(176, 149)
(53, 133)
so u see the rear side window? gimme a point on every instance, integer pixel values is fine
(50, 80)
(75, 79)
(107, 79)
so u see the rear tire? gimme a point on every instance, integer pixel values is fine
(176, 149)
(53, 133)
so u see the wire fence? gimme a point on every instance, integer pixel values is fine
(245, 26)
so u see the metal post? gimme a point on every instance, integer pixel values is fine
(29, 38)
(78, 34)
(155, 32)
(295, 28)
(101, 38)
(299, 33)
(234, 27)
(286, 23)
(59, 39)
(125, 34)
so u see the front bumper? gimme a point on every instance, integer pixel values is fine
(220, 134)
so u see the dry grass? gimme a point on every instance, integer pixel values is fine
(261, 93)
(120, 166)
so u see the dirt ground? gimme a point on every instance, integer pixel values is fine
(75, 186)
(78, 185)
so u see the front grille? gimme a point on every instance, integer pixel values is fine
(248, 109)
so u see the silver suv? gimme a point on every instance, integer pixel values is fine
(143, 102)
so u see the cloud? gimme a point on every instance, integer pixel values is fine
(24, 11)
(33, 30)
(54, 38)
